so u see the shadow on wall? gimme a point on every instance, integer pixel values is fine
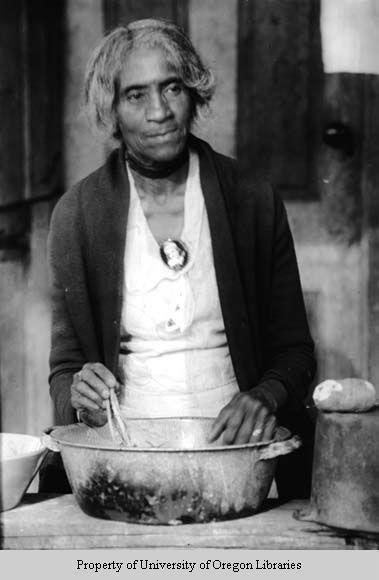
(331, 363)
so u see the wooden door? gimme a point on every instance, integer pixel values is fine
(305, 130)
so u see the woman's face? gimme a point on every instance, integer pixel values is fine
(154, 107)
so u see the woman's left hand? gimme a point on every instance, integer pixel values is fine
(248, 418)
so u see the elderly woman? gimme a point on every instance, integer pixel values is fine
(172, 283)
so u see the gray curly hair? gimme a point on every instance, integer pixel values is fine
(105, 66)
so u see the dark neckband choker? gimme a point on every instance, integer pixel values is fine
(159, 170)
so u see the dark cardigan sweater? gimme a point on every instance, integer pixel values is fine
(255, 266)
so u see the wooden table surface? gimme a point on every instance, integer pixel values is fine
(57, 522)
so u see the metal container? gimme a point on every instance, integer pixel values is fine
(345, 477)
(171, 475)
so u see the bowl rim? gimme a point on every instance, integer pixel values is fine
(283, 433)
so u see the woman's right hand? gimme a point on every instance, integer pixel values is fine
(90, 390)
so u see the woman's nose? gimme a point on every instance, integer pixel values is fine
(158, 108)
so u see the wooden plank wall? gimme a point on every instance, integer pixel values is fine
(280, 92)
(219, 50)
(14, 225)
(370, 185)
(31, 181)
(83, 150)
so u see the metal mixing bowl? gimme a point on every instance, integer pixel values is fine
(172, 474)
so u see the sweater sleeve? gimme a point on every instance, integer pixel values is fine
(66, 356)
(289, 357)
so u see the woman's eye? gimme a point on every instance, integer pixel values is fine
(174, 89)
(135, 96)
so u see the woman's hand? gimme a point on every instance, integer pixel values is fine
(90, 390)
(248, 418)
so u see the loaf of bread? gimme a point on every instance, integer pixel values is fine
(345, 395)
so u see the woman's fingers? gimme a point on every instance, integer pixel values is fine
(244, 431)
(90, 387)
(84, 396)
(98, 378)
(227, 420)
(246, 419)
(263, 428)
(233, 425)
(269, 428)
(103, 373)
(218, 427)
(93, 418)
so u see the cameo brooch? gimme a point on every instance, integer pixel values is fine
(174, 254)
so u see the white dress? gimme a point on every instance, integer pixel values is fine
(174, 358)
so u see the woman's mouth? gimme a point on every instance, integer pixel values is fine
(162, 135)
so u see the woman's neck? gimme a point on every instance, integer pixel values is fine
(156, 169)
(157, 187)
